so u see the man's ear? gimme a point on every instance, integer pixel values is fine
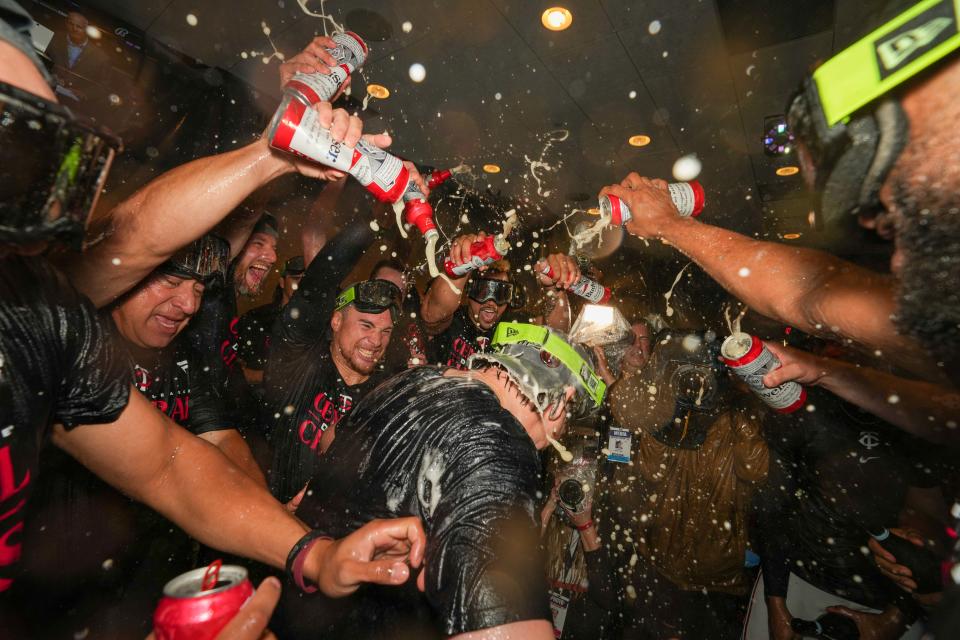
(336, 320)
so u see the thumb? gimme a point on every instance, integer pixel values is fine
(780, 375)
(382, 140)
(387, 571)
(422, 580)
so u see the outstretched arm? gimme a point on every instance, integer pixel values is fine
(811, 290)
(441, 302)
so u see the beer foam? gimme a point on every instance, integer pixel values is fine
(398, 209)
(595, 231)
(431, 254)
(565, 455)
(736, 345)
(733, 324)
(669, 294)
(558, 135)
(337, 28)
(509, 222)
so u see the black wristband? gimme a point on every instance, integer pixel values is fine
(292, 570)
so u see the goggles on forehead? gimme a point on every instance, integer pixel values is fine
(551, 346)
(845, 149)
(372, 296)
(52, 168)
(483, 289)
(206, 260)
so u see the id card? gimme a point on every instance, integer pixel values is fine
(559, 604)
(618, 446)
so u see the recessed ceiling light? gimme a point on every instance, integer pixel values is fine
(378, 91)
(594, 211)
(789, 170)
(791, 236)
(491, 168)
(639, 140)
(556, 18)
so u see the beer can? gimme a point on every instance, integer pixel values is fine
(584, 287)
(750, 360)
(187, 611)
(482, 253)
(311, 88)
(688, 198)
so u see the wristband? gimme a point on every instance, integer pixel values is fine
(298, 557)
(584, 526)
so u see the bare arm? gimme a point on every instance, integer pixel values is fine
(232, 445)
(315, 227)
(149, 457)
(922, 408)
(441, 302)
(524, 630)
(811, 290)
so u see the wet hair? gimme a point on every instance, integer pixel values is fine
(387, 263)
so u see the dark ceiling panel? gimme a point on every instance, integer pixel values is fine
(754, 24)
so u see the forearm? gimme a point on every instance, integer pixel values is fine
(921, 408)
(168, 213)
(315, 226)
(235, 448)
(439, 305)
(556, 310)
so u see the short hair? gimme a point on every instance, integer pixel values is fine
(387, 263)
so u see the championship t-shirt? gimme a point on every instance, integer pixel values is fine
(442, 449)
(253, 335)
(56, 366)
(459, 341)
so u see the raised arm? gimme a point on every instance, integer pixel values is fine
(441, 301)
(811, 290)
(183, 204)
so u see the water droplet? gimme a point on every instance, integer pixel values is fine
(191, 20)
(417, 72)
(654, 27)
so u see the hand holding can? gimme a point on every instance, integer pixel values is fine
(751, 360)
(647, 207)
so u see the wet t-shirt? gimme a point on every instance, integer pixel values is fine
(459, 341)
(444, 450)
(56, 366)
(836, 472)
(253, 335)
(304, 393)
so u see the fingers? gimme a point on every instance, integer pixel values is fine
(388, 572)
(381, 140)
(422, 580)
(782, 374)
(880, 552)
(317, 50)
(417, 178)
(253, 617)
(342, 126)
(387, 533)
(295, 501)
(460, 248)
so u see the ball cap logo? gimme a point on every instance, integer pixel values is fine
(549, 359)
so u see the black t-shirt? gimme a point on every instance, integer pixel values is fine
(253, 335)
(56, 365)
(835, 472)
(456, 343)
(304, 394)
(444, 450)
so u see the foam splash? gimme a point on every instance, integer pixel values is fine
(276, 52)
(565, 455)
(586, 236)
(337, 28)
(509, 222)
(431, 254)
(733, 324)
(669, 294)
(558, 135)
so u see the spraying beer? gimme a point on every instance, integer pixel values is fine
(688, 198)
(310, 88)
(482, 253)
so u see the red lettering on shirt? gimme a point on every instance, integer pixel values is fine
(9, 487)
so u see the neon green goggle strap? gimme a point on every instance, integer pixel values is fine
(515, 332)
(346, 297)
(888, 56)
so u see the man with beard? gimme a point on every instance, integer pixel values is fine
(324, 357)
(63, 381)
(459, 330)
(460, 450)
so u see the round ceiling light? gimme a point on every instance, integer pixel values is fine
(638, 140)
(491, 168)
(791, 236)
(556, 18)
(378, 91)
(594, 211)
(789, 170)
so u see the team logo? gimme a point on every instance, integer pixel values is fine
(512, 332)
(549, 359)
(483, 342)
(915, 37)
(869, 439)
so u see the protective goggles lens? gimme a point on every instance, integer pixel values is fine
(847, 151)
(52, 167)
(482, 289)
(372, 296)
(205, 260)
(552, 346)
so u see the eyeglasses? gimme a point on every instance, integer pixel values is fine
(517, 332)
(483, 289)
(372, 296)
(52, 168)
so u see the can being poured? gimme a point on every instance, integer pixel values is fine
(198, 604)
(482, 253)
(310, 88)
(750, 360)
(688, 198)
(584, 287)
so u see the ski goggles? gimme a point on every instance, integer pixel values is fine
(205, 260)
(372, 296)
(554, 351)
(849, 136)
(53, 164)
(483, 289)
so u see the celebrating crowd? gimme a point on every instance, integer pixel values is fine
(460, 461)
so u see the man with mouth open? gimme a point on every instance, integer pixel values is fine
(324, 357)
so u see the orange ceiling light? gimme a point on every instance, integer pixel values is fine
(789, 170)
(491, 168)
(638, 140)
(791, 236)
(378, 91)
(594, 211)
(556, 18)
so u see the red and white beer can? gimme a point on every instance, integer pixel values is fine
(482, 253)
(438, 177)
(189, 611)
(750, 360)
(688, 198)
(311, 88)
(584, 287)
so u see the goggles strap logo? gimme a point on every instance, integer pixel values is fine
(916, 37)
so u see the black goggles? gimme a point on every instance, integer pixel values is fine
(372, 296)
(849, 131)
(483, 289)
(206, 260)
(53, 164)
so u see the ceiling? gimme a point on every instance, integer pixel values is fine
(498, 83)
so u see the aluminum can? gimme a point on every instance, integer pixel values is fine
(750, 360)
(311, 88)
(438, 177)
(688, 198)
(584, 287)
(482, 253)
(187, 611)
